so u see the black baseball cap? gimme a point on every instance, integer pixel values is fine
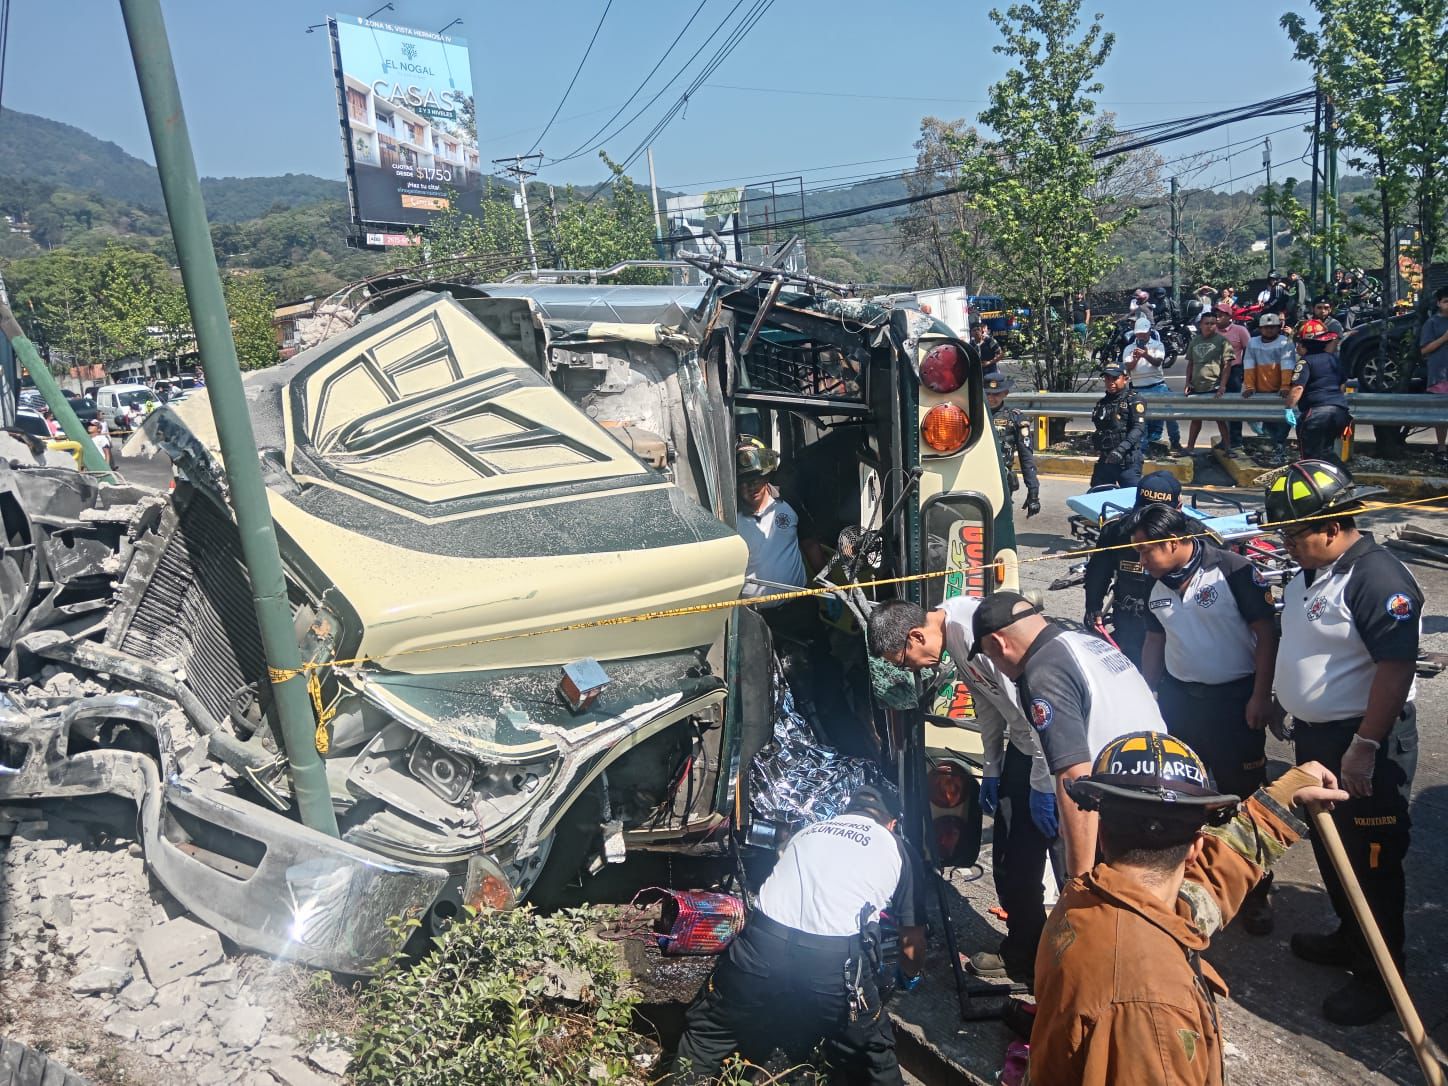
(1159, 486)
(996, 612)
(994, 382)
(1113, 369)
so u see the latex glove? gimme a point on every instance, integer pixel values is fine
(1357, 766)
(1043, 813)
(1032, 505)
(904, 983)
(990, 794)
(1290, 415)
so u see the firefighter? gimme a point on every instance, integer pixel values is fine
(1016, 788)
(1211, 645)
(1117, 570)
(1316, 393)
(1120, 421)
(804, 971)
(1345, 672)
(1013, 434)
(1122, 992)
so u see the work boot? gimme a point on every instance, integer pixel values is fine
(1323, 948)
(1361, 1001)
(997, 966)
(1256, 914)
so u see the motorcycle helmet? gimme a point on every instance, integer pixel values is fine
(754, 459)
(1154, 783)
(1274, 274)
(1309, 487)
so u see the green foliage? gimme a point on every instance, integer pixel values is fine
(600, 232)
(1381, 64)
(252, 307)
(480, 1008)
(495, 235)
(1040, 196)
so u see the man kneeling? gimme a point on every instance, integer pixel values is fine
(1122, 993)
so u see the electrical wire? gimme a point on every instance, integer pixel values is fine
(576, 72)
(594, 145)
(637, 90)
(4, 45)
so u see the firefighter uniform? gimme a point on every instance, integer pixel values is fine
(1120, 421)
(1013, 435)
(1336, 626)
(1323, 411)
(1341, 620)
(804, 970)
(1118, 571)
(1210, 667)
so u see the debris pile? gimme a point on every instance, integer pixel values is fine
(78, 916)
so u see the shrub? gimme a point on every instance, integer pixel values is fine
(502, 997)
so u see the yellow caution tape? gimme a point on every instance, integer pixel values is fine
(324, 715)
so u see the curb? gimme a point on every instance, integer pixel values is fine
(1244, 471)
(1405, 486)
(1183, 469)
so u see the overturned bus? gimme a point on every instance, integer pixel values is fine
(474, 488)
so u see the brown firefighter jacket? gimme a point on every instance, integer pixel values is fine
(1122, 995)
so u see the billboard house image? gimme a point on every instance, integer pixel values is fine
(411, 125)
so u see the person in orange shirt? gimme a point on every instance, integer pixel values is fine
(1122, 994)
(1267, 366)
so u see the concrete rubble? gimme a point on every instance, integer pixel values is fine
(79, 917)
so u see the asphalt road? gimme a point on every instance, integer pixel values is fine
(1274, 1031)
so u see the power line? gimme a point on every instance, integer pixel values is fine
(593, 146)
(637, 90)
(576, 72)
(4, 44)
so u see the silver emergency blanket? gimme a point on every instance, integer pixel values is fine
(795, 780)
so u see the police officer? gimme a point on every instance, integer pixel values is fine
(1211, 645)
(802, 971)
(1016, 787)
(1013, 434)
(1316, 393)
(1120, 421)
(1114, 567)
(1078, 693)
(1350, 629)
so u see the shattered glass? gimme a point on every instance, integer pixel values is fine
(796, 780)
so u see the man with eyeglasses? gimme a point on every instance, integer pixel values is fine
(1345, 672)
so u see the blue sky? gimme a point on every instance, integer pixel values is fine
(814, 85)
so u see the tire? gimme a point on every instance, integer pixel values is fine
(21, 1065)
(1373, 376)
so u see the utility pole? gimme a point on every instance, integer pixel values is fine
(654, 192)
(1271, 229)
(1329, 203)
(181, 188)
(1176, 248)
(514, 167)
(553, 218)
(1316, 148)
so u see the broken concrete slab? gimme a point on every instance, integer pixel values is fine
(331, 1058)
(176, 949)
(242, 1025)
(293, 1072)
(103, 978)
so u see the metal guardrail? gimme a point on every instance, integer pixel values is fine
(1367, 408)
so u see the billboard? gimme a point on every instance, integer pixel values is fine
(406, 99)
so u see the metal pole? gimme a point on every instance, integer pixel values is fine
(1176, 246)
(50, 388)
(1329, 203)
(654, 193)
(528, 223)
(1271, 229)
(1316, 155)
(151, 51)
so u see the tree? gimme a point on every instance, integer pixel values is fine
(599, 232)
(493, 240)
(1381, 65)
(1036, 185)
(252, 307)
(932, 229)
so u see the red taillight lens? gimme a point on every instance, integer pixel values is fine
(944, 369)
(946, 428)
(947, 787)
(948, 831)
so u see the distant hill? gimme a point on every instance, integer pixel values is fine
(70, 158)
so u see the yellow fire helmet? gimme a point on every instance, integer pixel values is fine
(1151, 776)
(753, 458)
(1309, 487)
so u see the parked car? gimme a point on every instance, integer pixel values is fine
(112, 400)
(84, 407)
